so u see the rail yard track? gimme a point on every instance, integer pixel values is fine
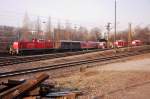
(70, 64)
(5, 61)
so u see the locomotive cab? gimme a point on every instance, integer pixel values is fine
(136, 43)
(14, 48)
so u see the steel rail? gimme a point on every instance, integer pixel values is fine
(70, 64)
(17, 60)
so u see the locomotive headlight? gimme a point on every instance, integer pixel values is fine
(133, 42)
(116, 43)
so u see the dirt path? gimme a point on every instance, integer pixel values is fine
(126, 79)
(129, 79)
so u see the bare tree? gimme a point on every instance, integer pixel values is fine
(26, 22)
(25, 27)
(142, 34)
(139, 33)
(96, 33)
(82, 34)
(38, 28)
(68, 31)
(48, 30)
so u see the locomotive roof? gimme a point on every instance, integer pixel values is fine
(68, 41)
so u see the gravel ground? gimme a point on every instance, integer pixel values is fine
(128, 79)
(54, 61)
(59, 60)
(111, 81)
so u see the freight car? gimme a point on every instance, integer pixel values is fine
(69, 45)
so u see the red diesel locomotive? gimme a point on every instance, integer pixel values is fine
(122, 43)
(21, 46)
(18, 47)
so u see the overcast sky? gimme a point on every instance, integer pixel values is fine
(83, 12)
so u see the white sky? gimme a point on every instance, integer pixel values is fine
(88, 13)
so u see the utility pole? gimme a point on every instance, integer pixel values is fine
(108, 32)
(38, 27)
(75, 27)
(57, 40)
(67, 31)
(59, 31)
(49, 28)
(44, 32)
(51, 35)
(129, 35)
(115, 30)
(18, 37)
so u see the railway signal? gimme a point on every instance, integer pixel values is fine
(108, 27)
(130, 35)
(115, 30)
